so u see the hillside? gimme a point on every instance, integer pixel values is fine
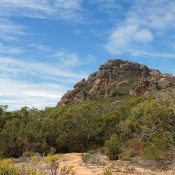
(117, 78)
(124, 111)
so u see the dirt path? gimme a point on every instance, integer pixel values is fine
(74, 159)
(121, 167)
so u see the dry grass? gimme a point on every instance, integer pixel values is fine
(118, 167)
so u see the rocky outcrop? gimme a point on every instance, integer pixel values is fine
(155, 73)
(142, 87)
(116, 78)
(117, 67)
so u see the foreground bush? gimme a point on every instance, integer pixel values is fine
(92, 157)
(157, 153)
(132, 148)
(107, 171)
(33, 172)
(7, 168)
(53, 163)
(67, 170)
(133, 122)
(113, 147)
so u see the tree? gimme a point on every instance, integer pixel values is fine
(113, 147)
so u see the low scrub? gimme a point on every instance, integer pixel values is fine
(7, 168)
(67, 170)
(52, 161)
(92, 157)
(158, 154)
(107, 171)
(113, 147)
(132, 149)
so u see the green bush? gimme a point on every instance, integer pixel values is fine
(113, 147)
(131, 149)
(158, 153)
(67, 170)
(86, 125)
(34, 172)
(7, 168)
(107, 171)
(91, 157)
(121, 91)
(52, 161)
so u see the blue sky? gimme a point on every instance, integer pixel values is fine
(46, 46)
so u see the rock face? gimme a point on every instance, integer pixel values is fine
(117, 78)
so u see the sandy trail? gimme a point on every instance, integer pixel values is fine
(74, 159)
(122, 167)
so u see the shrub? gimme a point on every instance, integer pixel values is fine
(67, 170)
(121, 91)
(91, 158)
(52, 160)
(34, 172)
(7, 167)
(113, 147)
(31, 164)
(132, 148)
(157, 153)
(107, 171)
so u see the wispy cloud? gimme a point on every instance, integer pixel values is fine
(152, 54)
(6, 49)
(123, 38)
(40, 47)
(107, 5)
(17, 93)
(54, 9)
(31, 83)
(10, 30)
(44, 71)
(67, 59)
(142, 27)
(35, 82)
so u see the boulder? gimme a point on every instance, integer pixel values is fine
(122, 84)
(155, 73)
(164, 83)
(80, 84)
(142, 87)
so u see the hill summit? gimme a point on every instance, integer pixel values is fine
(118, 78)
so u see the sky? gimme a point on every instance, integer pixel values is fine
(46, 46)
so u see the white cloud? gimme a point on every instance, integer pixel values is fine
(10, 30)
(44, 71)
(54, 9)
(68, 59)
(19, 93)
(152, 54)
(70, 5)
(40, 47)
(153, 14)
(143, 36)
(145, 22)
(107, 5)
(124, 37)
(31, 83)
(5, 49)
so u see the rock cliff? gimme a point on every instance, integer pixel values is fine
(119, 78)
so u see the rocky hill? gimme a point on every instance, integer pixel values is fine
(118, 78)
(124, 110)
